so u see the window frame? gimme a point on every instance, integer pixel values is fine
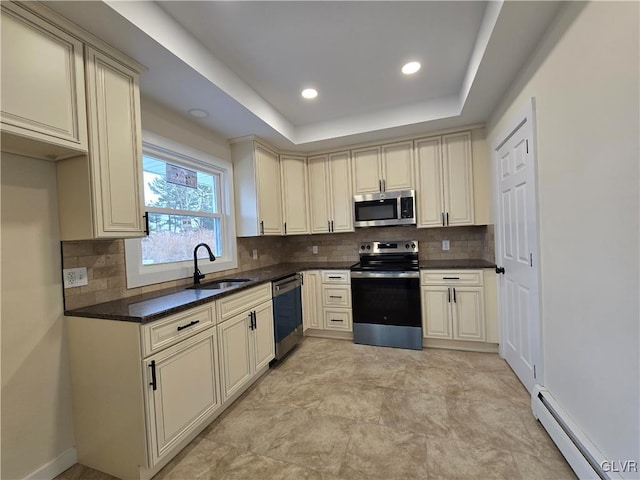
(164, 149)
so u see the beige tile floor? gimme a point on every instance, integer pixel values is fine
(335, 410)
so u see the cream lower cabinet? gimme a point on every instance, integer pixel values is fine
(140, 393)
(327, 303)
(453, 305)
(182, 390)
(330, 197)
(43, 92)
(246, 339)
(312, 316)
(444, 181)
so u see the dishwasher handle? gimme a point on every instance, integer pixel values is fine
(285, 285)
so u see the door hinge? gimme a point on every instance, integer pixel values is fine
(527, 142)
(534, 372)
(531, 259)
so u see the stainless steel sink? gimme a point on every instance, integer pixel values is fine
(220, 284)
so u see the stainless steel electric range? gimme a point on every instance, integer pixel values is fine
(385, 293)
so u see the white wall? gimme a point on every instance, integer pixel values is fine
(166, 123)
(36, 396)
(584, 78)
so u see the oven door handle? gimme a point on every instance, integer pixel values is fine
(385, 274)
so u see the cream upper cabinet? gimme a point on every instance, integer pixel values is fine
(295, 195)
(258, 199)
(444, 180)
(384, 168)
(340, 192)
(458, 178)
(330, 197)
(43, 93)
(367, 177)
(397, 166)
(101, 197)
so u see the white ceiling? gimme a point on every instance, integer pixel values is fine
(246, 62)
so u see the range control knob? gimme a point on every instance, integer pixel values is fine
(361, 247)
(368, 247)
(413, 245)
(407, 246)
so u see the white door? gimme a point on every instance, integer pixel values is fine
(516, 252)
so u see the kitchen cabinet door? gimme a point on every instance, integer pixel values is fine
(43, 90)
(458, 178)
(269, 191)
(115, 146)
(183, 389)
(264, 348)
(367, 177)
(430, 201)
(341, 197)
(436, 312)
(101, 196)
(295, 195)
(319, 199)
(235, 354)
(312, 300)
(397, 166)
(468, 313)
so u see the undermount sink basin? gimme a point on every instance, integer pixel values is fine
(220, 284)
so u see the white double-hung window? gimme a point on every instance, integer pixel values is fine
(188, 197)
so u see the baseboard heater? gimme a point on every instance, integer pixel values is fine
(585, 459)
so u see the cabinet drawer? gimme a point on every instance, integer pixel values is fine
(338, 296)
(337, 319)
(451, 277)
(336, 276)
(168, 331)
(243, 301)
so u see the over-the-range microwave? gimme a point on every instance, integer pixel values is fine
(384, 208)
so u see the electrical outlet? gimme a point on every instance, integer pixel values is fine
(314, 249)
(255, 253)
(75, 277)
(445, 244)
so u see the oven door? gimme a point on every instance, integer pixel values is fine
(386, 309)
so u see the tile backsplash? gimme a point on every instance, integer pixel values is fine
(106, 273)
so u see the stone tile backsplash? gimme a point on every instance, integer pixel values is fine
(106, 273)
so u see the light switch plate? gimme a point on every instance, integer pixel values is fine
(445, 244)
(314, 249)
(255, 253)
(75, 277)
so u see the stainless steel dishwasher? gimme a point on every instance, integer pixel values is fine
(287, 313)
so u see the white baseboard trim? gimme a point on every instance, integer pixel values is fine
(55, 467)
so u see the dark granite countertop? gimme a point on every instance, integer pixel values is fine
(469, 263)
(153, 306)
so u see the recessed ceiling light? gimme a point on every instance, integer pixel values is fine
(196, 112)
(309, 93)
(411, 68)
